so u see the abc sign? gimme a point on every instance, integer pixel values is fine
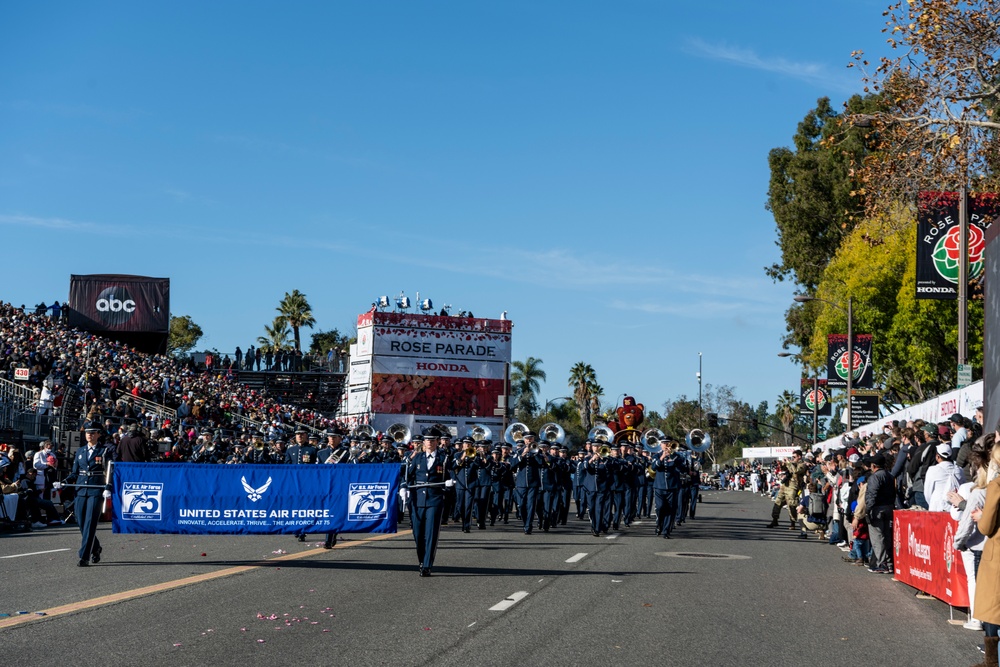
(115, 306)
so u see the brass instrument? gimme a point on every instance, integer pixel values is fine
(479, 433)
(652, 440)
(698, 441)
(515, 432)
(469, 452)
(363, 429)
(399, 433)
(552, 433)
(604, 452)
(601, 433)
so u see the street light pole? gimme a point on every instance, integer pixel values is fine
(963, 276)
(850, 359)
(701, 412)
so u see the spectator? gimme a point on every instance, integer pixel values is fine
(943, 477)
(987, 601)
(880, 497)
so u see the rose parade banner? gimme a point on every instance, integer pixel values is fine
(924, 555)
(207, 499)
(836, 361)
(938, 250)
(818, 398)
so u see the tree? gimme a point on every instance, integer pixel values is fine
(581, 378)
(940, 128)
(813, 197)
(275, 336)
(183, 335)
(295, 311)
(525, 382)
(322, 341)
(915, 343)
(786, 411)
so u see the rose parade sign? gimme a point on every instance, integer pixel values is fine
(938, 248)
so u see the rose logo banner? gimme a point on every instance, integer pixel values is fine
(205, 499)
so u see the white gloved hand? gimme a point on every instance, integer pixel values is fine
(106, 495)
(57, 485)
(404, 494)
(449, 483)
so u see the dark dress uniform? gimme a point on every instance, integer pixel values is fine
(303, 454)
(88, 468)
(484, 490)
(666, 486)
(427, 503)
(466, 474)
(599, 474)
(527, 484)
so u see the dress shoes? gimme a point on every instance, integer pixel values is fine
(83, 562)
(95, 557)
(330, 543)
(425, 572)
(301, 538)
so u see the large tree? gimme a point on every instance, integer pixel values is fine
(183, 336)
(275, 336)
(940, 129)
(295, 311)
(525, 383)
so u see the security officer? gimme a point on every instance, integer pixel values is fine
(302, 452)
(527, 466)
(666, 486)
(89, 472)
(429, 475)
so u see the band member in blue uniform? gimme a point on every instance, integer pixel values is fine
(527, 463)
(426, 479)
(302, 452)
(567, 469)
(499, 485)
(600, 471)
(466, 474)
(548, 508)
(484, 488)
(89, 466)
(666, 486)
(580, 481)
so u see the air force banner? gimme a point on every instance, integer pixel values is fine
(205, 499)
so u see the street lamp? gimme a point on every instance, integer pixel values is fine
(548, 403)
(815, 402)
(803, 298)
(700, 411)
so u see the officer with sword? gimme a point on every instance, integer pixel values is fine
(91, 477)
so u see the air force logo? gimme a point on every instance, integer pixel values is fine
(142, 501)
(367, 502)
(255, 494)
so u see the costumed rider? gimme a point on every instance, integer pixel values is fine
(427, 476)
(92, 490)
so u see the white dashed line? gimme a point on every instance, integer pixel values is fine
(35, 553)
(576, 559)
(471, 624)
(512, 600)
(612, 536)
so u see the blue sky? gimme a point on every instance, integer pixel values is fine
(598, 170)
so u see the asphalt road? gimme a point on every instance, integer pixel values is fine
(497, 597)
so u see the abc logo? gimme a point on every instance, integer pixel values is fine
(115, 306)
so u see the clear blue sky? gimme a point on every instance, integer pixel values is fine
(598, 170)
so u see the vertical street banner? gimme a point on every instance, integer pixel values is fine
(818, 398)
(837, 362)
(938, 248)
(242, 499)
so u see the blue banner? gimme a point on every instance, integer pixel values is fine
(206, 499)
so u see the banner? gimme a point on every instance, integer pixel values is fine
(206, 499)
(434, 395)
(479, 370)
(836, 361)
(119, 303)
(818, 398)
(925, 555)
(938, 248)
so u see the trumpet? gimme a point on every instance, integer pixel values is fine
(469, 452)
(604, 452)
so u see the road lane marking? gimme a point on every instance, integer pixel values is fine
(576, 559)
(35, 553)
(611, 536)
(471, 624)
(512, 600)
(180, 583)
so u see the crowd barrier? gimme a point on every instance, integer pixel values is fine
(925, 556)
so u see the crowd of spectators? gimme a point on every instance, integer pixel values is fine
(847, 496)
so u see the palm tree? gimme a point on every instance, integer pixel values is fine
(296, 312)
(596, 391)
(275, 336)
(581, 378)
(525, 383)
(788, 405)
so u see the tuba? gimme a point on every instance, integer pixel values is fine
(399, 433)
(514, 433)
(552, 433)
(652, 440)
(479, 433)
(601, 433)
(698, 441)
(363, 429)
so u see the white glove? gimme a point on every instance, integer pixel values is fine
(106, 495)
(404, 494)
(449, 483)
(57, 485)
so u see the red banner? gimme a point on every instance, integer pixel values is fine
(925, 555)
